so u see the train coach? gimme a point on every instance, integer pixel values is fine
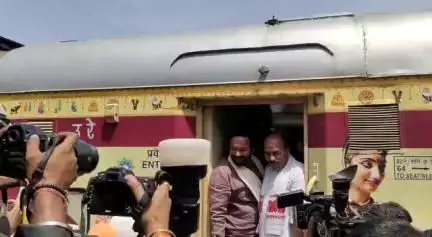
(333, 84)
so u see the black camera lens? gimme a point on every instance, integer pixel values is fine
(88, 157)
(14, 136)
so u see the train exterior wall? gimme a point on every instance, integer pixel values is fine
(328, 130)
(144, 122)
(134, 139)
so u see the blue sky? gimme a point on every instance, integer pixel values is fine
(44, 21)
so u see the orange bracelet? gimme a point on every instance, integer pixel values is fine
(162, 233)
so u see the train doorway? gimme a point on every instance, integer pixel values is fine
(256, 120)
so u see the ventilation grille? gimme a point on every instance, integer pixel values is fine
(46, 126)
(374, 127)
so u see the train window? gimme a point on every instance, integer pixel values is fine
(374, 127)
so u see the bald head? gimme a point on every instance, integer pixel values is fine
(275, 139)
(275, 151)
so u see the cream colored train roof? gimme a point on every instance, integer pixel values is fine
(314, 48)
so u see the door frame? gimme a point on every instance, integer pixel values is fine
(205, 129)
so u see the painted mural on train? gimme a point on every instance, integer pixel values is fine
(390, 144)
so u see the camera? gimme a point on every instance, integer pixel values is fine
(108, 193)
(13, 145)
(324, 215)
(183, 163)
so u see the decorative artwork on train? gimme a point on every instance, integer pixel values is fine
(184, 104)
(41, 107)
(126, 163)
(93, 106)
(370, 172)
(366, 96)
(135, 102)
(57, 106)
(152, 161)
(113, 101)
(426, 95)
(412, 167)
(27, 106)
(338, 100)
(89, 126)
(156, 103)
(74, 106)
(15, 109)
(397, 94)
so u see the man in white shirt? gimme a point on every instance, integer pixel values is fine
(283, 174)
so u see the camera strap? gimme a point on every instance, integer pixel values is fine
(84, 226)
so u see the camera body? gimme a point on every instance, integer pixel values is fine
(324, 215)
(183, 163)
(108, 193)
(13, 145)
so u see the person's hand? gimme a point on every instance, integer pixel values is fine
(136, 187)
(62, 167)
(158, 213)
(33, 155)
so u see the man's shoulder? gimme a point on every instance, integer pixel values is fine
(298, 166)
(222, 169)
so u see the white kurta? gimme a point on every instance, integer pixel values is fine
(274, 221)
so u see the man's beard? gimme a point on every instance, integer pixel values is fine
(275, 166)
(240, 160)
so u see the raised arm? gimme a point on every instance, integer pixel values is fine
(220, 193)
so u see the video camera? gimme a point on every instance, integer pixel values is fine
(183, 164)
(324, 215)
(13, 145)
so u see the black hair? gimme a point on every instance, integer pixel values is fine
(385, 228)
(385, 211)
(346, 152)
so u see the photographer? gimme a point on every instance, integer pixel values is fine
(48, 204)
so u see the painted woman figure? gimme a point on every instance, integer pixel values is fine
(370, 173)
